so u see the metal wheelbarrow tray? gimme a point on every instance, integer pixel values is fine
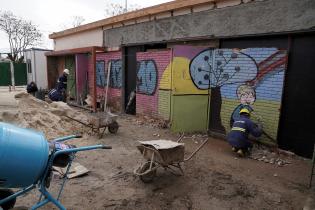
(100, 120)
(162, 153)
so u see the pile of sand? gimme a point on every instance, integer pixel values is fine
(47, 118)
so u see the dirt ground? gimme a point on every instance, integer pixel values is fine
(214, 179)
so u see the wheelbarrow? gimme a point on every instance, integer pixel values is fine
(26, 161)
(100, 120)
(162, 154)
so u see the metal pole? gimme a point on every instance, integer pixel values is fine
(126, 6)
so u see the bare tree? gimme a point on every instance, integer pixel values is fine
(21, 34)
(77, 21)
(73, 22)
(114, 9)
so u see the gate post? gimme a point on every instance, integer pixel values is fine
(12, 75)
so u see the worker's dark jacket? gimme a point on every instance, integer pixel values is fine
(55, 95)
(62, 83)
(238, 136)
(31, 88)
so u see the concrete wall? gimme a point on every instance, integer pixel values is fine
(38, 68)
(257, 17)
(83, 39)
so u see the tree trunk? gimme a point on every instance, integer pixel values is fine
(215, 123)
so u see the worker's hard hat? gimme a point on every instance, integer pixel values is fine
(66, 71)
(244, 110)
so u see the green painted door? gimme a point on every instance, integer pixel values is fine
(71, 86)
(5, 75)
(20, 74)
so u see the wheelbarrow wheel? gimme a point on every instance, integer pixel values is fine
(113, 127)
(149, 176)
(9, 204)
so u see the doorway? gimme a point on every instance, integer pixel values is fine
(71, 81)
(130, 62)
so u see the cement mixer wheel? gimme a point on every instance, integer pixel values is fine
(6, 193)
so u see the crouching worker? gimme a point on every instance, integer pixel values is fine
(238, 136)
(32, 88)
(59, 93)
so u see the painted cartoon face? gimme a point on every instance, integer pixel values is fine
(246, 94)
(247, 98)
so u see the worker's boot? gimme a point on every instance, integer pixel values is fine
(240, 153)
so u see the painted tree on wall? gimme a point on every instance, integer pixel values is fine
(213, 69)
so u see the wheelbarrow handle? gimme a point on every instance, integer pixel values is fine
(106, 147)
(65, 138)
(79, 149)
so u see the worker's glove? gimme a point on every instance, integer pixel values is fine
(259, 126)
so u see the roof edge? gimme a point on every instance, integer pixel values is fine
(153, 10)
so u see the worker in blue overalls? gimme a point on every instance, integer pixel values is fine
(59, 93)
(238, 136)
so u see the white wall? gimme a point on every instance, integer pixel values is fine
(82, 39)
(39, 68)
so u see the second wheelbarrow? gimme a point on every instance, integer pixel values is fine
(100, 120)
(162, 153)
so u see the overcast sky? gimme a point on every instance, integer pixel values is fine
(51, 15)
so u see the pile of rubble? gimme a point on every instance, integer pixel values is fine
(267, 155)
(42, 116)
(149, 121)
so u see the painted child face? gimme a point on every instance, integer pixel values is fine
(247, 98)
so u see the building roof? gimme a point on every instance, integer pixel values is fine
(36, 49)
(149, 11)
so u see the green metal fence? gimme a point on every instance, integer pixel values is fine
(20, 74)
(5, 74)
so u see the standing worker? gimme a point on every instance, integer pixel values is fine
(59, 93)
(238, 136)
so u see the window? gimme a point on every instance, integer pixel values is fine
(29, 65)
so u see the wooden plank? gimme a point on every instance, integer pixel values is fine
(74, 51)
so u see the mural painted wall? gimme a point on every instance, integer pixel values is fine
(236, 78)
(103, 61)
(188, 104)
(150, 67)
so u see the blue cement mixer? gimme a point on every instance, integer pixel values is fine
(26, 161)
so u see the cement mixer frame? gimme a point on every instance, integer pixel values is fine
(44, 181)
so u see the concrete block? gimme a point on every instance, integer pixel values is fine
(130, 22)
(163, 15)
(107, 27)
(117, 25)
(205, 7)
(143, 19)
(228, 3)
(182, 12)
